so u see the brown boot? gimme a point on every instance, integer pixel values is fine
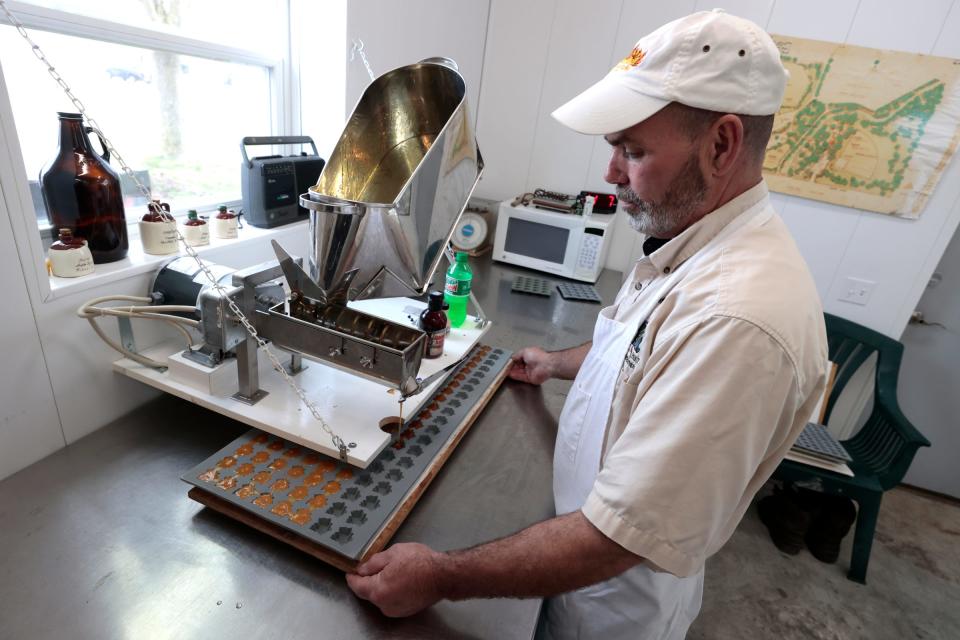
(833, 522)
(785, 519)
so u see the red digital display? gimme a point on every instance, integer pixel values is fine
(605, 202)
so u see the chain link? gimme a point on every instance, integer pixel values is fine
(358, 48)
(251, 330)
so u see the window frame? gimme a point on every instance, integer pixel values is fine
(14, 186)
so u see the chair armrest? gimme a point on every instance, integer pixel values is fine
(890, 408)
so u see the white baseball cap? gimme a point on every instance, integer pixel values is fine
(710, 60)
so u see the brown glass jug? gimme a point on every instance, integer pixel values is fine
(82, 192)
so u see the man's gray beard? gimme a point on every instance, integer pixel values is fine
(670, 216)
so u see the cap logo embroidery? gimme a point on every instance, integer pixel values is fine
(635, 58)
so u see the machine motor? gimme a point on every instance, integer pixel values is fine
(271, 185)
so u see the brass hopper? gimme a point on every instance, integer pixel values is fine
(381, 215)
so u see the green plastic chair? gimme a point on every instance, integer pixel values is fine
(882, 450)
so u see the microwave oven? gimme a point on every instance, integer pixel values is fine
(563, 244)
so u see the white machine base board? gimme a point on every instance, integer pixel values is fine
(352, 406)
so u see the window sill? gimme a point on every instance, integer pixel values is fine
(137, 262)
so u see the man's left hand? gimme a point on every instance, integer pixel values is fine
(401, 580)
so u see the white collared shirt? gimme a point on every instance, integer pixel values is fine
(718, 383)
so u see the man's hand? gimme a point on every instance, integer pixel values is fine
(533, 365)
(401, 580)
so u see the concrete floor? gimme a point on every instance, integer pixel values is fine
(752, 590)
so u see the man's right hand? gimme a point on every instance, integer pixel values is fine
(533, 365)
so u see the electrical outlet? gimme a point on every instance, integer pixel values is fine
(856, 290)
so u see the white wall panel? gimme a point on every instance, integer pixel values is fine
(29, 423)
(579, 55)
(399, 33)
(518, 39)
(822, 231)
(756, 10)
(892, 251)
(901, 26)
(814, 19)
(948, 44)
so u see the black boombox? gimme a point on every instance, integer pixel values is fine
(271, 185)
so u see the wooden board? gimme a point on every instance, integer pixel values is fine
(393, 522)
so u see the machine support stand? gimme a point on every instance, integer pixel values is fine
(247, 368)
(295, 365)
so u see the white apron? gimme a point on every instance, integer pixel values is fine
(639, 604)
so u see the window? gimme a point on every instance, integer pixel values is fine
(174, 107)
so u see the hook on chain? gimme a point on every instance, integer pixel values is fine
(358, 47)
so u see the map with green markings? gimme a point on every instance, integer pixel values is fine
(863, 128)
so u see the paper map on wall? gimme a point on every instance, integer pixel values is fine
(863, 128)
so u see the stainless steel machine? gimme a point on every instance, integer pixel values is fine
(381, 217)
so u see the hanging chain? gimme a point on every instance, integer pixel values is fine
(277, 365)
(358, 48)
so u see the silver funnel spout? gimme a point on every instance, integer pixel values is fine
(396, 183)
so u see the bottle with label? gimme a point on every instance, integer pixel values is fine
(457, 290)
(158, 230)
(225, 223)
(196, 233)
(433, 322)
(70, 257)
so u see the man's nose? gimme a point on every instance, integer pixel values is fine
(615, 174)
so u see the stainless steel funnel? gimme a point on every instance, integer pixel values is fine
(393, 190)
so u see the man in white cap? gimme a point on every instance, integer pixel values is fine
(698, 378)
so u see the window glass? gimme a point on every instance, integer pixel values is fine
(247, 24)
(175, 119)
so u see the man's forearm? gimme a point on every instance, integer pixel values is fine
(567, 362)
(548, 558)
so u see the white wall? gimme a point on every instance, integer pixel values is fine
(29, 424)
(541, 53)
(399, 33)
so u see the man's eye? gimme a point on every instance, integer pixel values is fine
(632, 154)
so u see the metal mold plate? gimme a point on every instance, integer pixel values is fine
(331, 503)
(536, 286)
(584, 292)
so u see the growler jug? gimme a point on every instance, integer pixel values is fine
(82, 192)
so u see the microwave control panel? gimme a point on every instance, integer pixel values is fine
(590, 252)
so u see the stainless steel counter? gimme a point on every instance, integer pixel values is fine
(99, 540)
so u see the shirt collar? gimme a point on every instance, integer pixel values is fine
(675, 251)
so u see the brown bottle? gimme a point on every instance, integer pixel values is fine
(433, 322)
(82, 192)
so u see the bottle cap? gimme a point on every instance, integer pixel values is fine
(192, 214)
(222, 208)
(462, 256)
(436, 300)
(66, 235)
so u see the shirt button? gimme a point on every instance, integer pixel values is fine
(638, 286)
(666, 269)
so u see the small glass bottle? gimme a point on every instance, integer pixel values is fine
(225, 223)
(196, 233)
(70, 257)
(433, 322)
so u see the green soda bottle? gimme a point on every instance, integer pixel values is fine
(457, 290)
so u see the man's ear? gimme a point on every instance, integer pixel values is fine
(724, 144)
